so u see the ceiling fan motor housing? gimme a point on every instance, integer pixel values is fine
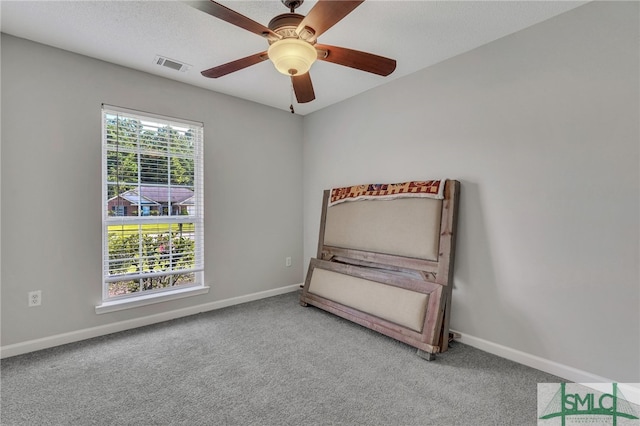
(291, 55)
(285, 25)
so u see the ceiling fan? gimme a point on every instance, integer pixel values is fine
(293, 46)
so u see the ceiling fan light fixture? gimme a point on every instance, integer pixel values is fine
(292, 56)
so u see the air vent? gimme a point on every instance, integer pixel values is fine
(172, 64)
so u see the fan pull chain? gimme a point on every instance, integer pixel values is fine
(291, 105)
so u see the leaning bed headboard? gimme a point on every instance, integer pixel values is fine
(385, 259)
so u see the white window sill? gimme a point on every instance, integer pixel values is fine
(148, 299)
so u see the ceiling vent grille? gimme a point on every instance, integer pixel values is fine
(170, 63)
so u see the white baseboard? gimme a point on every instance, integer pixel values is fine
(88, 333)
(631, 391)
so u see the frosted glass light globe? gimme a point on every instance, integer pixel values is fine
(292, 56)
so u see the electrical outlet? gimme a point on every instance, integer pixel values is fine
(287, 262)
(35, 298)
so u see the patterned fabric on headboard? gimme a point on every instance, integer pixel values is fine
(388, 191)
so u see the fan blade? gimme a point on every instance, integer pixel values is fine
(325, 14)
(362, 61)
(233, 17)
(303, 88)
(236, 65)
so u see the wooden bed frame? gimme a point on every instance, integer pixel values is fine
(364, 273)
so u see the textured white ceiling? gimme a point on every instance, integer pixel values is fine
(416, 33)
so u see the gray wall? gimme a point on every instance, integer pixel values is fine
(542, 129)
(51, 188)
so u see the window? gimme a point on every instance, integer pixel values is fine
(152, 215)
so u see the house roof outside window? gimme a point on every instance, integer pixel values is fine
(163, 194)
(136, 199)
(158, 195)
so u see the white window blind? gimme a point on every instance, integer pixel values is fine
(152, 196)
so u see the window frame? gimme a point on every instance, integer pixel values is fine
(194, 216)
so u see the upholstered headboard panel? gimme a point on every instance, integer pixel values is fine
(407, 227)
